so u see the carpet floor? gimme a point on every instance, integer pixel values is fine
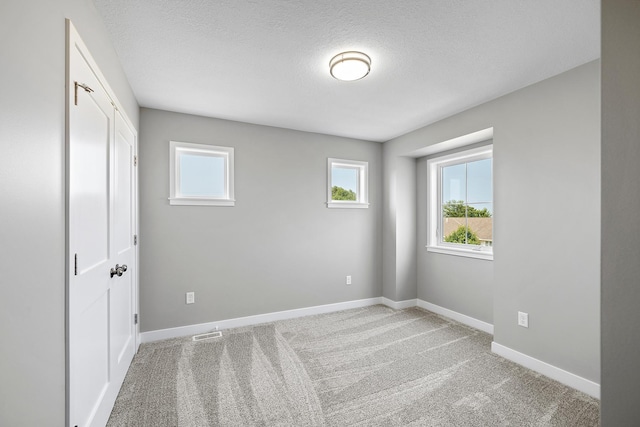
(372, 366)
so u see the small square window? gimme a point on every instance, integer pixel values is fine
(347, 185)
(201, 174)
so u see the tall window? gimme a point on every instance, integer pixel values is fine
(201, 174)
(461, 203)
(347, 183)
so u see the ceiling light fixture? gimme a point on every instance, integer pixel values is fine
(350, 66)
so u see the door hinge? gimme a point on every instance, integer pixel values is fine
(135, 160)
(83, 86)
(75, 264)
(135, 239)
(135, 319)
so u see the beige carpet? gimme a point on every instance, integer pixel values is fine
(372, 366)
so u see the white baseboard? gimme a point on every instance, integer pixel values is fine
(183, 331)
(567, 378)
(458, 317)
(399, 305)
(586, 386)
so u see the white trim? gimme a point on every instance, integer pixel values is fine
(435, 239)
(177, 201)
(183, 331)
(201, 328)
(347, 205)
(458, 317)
(478, 153)
(453, 143)
(176, 149)
(399, 305)
(76, 41)
(467, 253)
(362, 184)
(567, 378)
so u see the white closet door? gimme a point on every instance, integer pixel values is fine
(122, 289)
(101, 209)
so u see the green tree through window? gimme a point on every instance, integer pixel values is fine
(457, 209)
(463, 235)
(339, 193)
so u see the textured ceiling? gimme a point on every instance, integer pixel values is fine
(266, 61)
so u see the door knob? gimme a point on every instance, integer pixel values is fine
(118, 270)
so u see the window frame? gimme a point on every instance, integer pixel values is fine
(176, 198)
(435, 164)
(362, 193)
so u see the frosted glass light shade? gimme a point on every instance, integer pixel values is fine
(349, 66)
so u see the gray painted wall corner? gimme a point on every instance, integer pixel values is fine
(399, 224)
(278, 248)
(546, 156)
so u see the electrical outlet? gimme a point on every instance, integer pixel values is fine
(191, 297)
(348, 280)
(523, 319)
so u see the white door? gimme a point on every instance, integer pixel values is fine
(101, 227)
(122, 289)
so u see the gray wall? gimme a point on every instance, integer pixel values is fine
(278, 248)
(547, 220)
(32, 212)
(557, 284)
(399, 226)
(620, 207)
(405, 243)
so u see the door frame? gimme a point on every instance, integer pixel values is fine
(74, 41)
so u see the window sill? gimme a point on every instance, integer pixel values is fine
(334, 205)
(201, 202)
(468, 253)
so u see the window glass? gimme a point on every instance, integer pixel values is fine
(454, 183)
(479, 179)
(344, 183)
(347, 182)
(202, 175)
(461, 202)
(467, 203)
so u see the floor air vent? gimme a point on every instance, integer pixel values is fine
(207, 336)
